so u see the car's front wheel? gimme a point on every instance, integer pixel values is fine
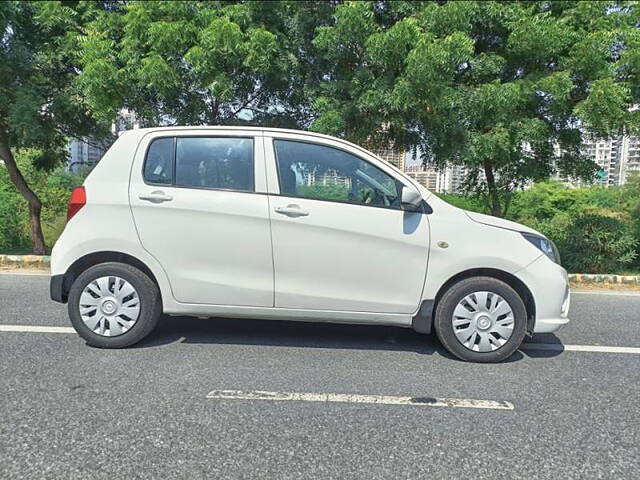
(114, 305)
(481, 319)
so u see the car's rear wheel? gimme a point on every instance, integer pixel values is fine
(481, 319)
(114, 305)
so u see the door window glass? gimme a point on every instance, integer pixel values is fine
(215, 162)
(158, 167)
(318, 171)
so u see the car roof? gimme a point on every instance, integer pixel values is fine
(144, 131)
(240, 127)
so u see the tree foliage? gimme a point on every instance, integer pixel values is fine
(52, 189)
(491, 85)
(201, 62)
(40, 105)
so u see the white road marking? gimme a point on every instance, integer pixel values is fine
(25, 274)
(357, 398)
(35, 329)
(559, 347)
(614, 293)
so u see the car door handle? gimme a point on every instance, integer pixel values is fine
(155, 197)
(292, 210)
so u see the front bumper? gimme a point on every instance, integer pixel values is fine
(549, 285)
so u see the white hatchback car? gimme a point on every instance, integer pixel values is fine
(282, 224)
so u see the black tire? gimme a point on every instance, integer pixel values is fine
(150, 305)
(444, 314)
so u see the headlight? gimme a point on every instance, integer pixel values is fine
(545, 245)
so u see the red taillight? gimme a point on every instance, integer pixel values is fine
(76, 202)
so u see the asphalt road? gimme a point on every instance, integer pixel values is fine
(70, 411)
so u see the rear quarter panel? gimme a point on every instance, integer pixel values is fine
(105, 223)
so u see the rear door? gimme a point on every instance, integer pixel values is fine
(340, 239)
(199, 206)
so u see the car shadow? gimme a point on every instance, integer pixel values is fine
(280, 333)
(552, 346)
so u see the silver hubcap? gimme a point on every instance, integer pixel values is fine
(109, 306)
(483, 321)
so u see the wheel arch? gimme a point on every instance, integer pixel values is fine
(423, 321)
(95, 258)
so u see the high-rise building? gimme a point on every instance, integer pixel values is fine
(451, 179)
(391, 155)
(427, 176)
(85, 152)
(616, 157)
(629, 159)
(606, 153)
(127, 120)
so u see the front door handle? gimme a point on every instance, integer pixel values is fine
(292, 210)
(156, 196)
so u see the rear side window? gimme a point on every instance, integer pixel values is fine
(215, 162)
(201, 162)
(158, 168)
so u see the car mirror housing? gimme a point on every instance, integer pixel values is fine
(411, 200)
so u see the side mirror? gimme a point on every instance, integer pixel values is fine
(411, 200)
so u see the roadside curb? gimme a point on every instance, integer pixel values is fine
(25, 260)
(604, 278)
(45, 260)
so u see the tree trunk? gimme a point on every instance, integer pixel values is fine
(35, 206)
(494, 195)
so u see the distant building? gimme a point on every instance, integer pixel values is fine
(85, 152)
(394, 157)
(606, 153)
(127, 120)
(426, 176)
(630, 158)
(451, 179)
(616, 157)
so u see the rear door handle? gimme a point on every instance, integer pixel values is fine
(292, 210)
(155, 197)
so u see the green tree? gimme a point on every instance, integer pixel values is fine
(201, 62)
(52, 189)
(39, 105)
(491, 85)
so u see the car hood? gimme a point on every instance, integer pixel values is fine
(500, 223)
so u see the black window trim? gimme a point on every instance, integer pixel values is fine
(173, 184)
(275, 153)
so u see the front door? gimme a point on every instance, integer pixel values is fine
(340, 240)
(196, 211)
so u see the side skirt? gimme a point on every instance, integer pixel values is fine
(272, 313)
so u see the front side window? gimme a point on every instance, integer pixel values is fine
(215, 162)
(326, 173)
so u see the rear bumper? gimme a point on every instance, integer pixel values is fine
(56, 289)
